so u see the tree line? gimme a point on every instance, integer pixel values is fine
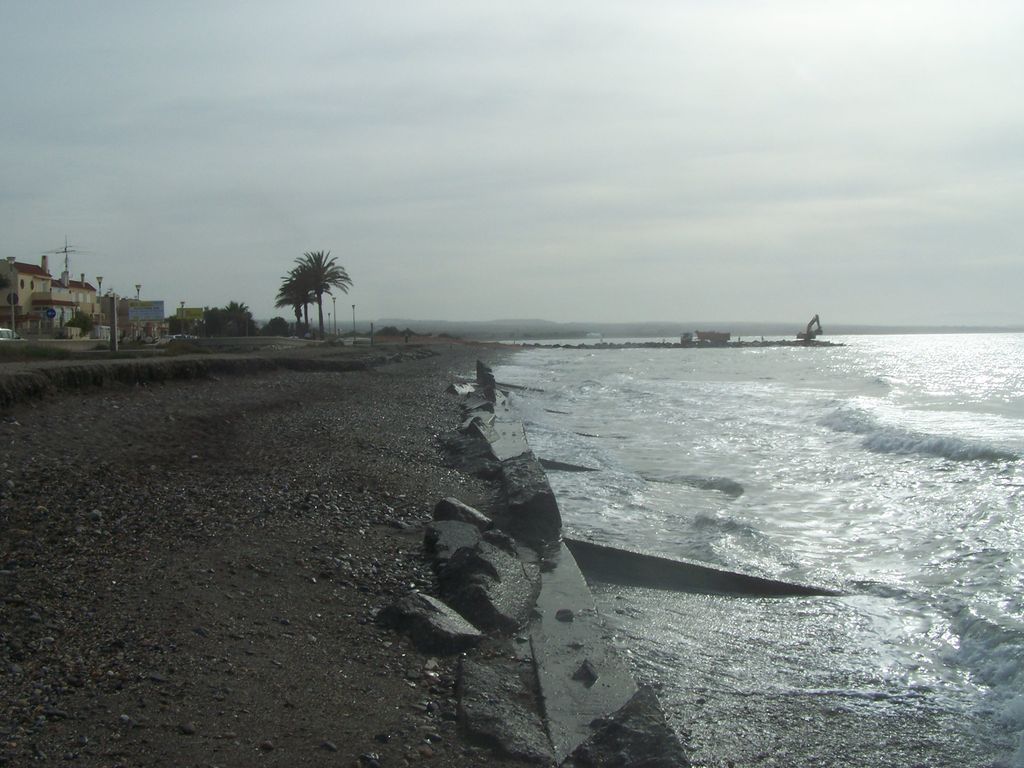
(315, 274)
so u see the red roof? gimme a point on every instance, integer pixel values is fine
(32, 269)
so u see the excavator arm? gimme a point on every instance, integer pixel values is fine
(813, 330)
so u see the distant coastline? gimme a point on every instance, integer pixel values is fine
(539, 330)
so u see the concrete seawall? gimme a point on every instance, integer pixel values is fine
(587, 709)
(580, 683)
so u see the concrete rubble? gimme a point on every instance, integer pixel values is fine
(552, 690)
(432, 625)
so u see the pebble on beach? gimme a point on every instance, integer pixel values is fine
(205, 568)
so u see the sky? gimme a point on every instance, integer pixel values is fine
(571, 161)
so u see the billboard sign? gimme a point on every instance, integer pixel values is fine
(145, 311)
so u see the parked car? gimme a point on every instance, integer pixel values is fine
(6, 334)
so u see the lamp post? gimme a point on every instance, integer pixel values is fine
(135, 325)
(353, 323)
(181, 318)
(99, 297)
(334, 302)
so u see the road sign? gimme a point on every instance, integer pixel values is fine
(51, 313)
(12, 298)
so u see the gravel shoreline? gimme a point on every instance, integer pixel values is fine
(190, 571)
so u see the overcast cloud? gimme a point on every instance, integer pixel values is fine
(568, 161)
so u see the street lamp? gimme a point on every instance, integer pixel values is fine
(353, 323)
(181, 318)
(136, 330)
(12, 293)
(99, 297)
(334, 302)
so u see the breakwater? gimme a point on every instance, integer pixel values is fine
(738, 344)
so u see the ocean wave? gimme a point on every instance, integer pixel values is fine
(881, 439)
(703, 482)
(994, 652)
(725, 525)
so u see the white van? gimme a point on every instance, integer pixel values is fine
(6, 334)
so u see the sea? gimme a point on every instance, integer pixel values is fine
(889, 468)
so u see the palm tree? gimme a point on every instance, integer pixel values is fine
(239, 314)
(320, 272)
(295, 294)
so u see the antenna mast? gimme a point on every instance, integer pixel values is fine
(67, 250)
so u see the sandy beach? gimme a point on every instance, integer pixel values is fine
(190, 571)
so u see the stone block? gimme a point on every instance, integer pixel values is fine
(531, 511)
(452, 509)
(433, 626)
(498, 709)
(443, 538)
(490, 586)
(637, 734)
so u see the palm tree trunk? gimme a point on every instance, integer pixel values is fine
(320, 311)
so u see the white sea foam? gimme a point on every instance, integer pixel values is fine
(994, 652)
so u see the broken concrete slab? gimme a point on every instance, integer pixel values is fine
(443, 538)
(531, 512)
(484, 376)
(470, 454)
(450, 508)
(506, 438)
(490, 586)
(461, 388)
(635, 735)
(622, 566)
(553, 465)
(477, 403)
(497, 708)
(581, 677)
(431, 625)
